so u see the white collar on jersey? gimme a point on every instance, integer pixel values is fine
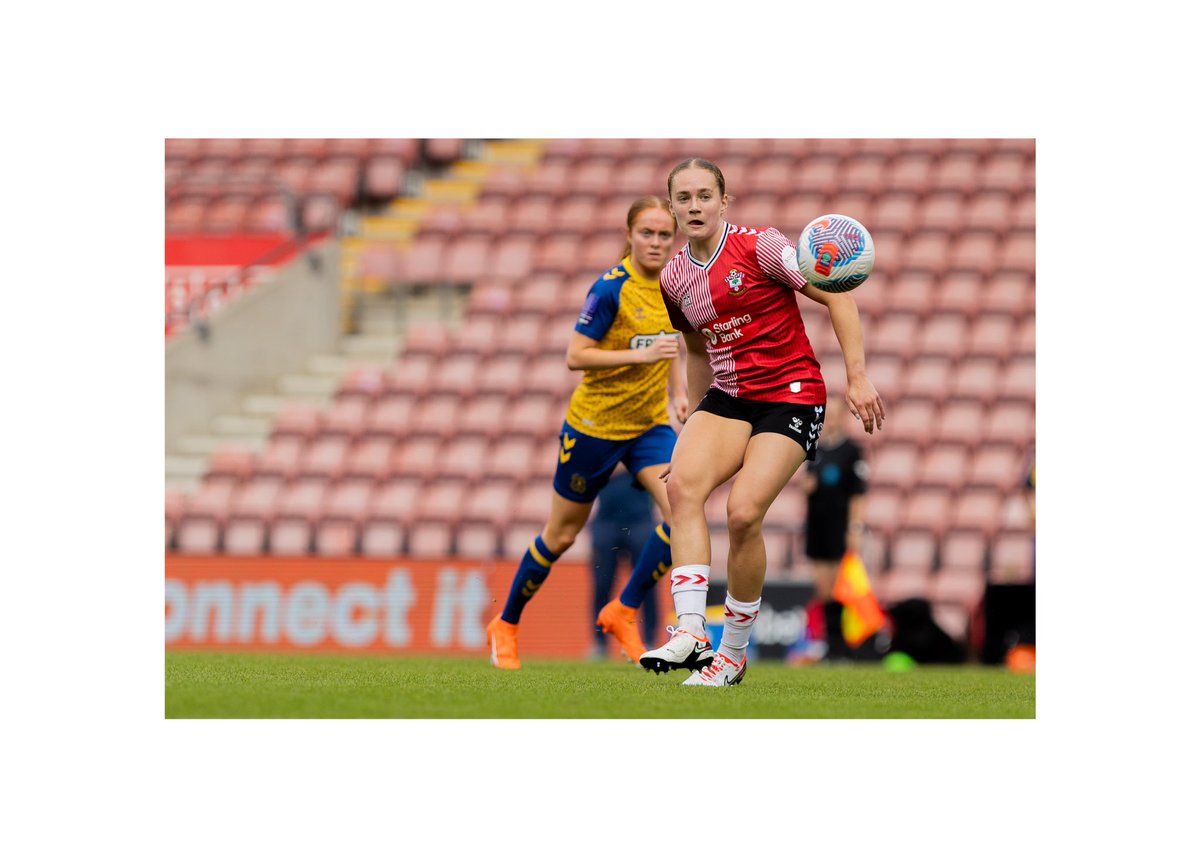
(720, 247)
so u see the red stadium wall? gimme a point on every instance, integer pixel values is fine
(366, 605)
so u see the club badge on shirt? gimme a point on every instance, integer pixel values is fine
(734, 280)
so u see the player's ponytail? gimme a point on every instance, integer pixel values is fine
(640, 205)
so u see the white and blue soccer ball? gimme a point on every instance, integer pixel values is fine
(835, 253)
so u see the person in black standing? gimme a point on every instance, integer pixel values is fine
(835, 482)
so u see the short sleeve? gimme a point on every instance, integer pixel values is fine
(777, 258)
(678, 319)
(599, 309)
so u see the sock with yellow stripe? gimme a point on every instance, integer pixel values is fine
(653, 563)
(531, 573)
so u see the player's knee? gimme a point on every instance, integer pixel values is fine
(560, 538)
(684, 495)
(744, 520)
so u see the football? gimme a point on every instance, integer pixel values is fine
(835, 253)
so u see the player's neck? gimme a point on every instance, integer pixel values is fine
(703, 250)
(642, 273)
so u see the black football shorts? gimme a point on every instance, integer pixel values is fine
(802, 423)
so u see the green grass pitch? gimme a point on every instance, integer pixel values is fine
(221, 685)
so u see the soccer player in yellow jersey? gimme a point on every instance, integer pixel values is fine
(628, 351)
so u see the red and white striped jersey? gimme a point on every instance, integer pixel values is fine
(743, 301)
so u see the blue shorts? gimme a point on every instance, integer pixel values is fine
(585, 463)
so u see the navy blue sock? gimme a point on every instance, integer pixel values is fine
(653, 563)
(531, 573)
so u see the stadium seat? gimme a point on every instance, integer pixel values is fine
(489, 503)
(344, 417)
(468, 258)
(912, 292)
(281, 457)
(465, 457)
(927, 376)
(994, 467)
(1018, 381)
(895, 465)
(383, 177)
(388, 417)
(503, 375)
(989, 336)
(1024, 212)
(536, 416)
(816, 173)
(486, 217)
(476, 541)
(245, 537)
(1017, 253)
(592, 174)
(901, 584)
(963, 550)
(977, 511)
(348, 500)
(1009, 292)
(990, 212)
(1011, 558)
(959, 292)
(441, 501)
(1010, 423)
(894, 335)
(301, 500)
(926, 509)
(639, 177)
(973, 251)
(434, 416)
(895, 212)
(430, 540)
(456, 375)
(960, 422)
(798, 208)
(289, 537)
(361, 382)
(483, 416)
(926, 251)
(425, 260)
(942, 212)
(335, 538)
(912, 172)
(324, 457)
(382, 539)
(417, 457)
(913, 551)
(1005, 172)
(910, 422)
(975, 380)
(942, 466)
(212, 499)
(442, 152)
(548, 374)
(394, 501)
(864, 174)
(1024, 342)
(198, 536)
(882, 511)
(410, 374)
(956, 171)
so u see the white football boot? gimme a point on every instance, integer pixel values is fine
(684, 651)
(720, 673)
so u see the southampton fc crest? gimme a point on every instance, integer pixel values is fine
(735, 280)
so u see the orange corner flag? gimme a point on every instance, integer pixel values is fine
(861, 614)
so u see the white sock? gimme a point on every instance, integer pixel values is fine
(739, 619)
(689, 589)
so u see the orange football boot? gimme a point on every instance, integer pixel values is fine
(502, 638)
(621, 621)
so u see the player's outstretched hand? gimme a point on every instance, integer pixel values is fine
(864, 403)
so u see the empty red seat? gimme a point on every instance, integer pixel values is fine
(896, 212)
(995, 467)
(345, 417)
(989, 336)
(441, 500)
(1004, 171)
(901, 584)
(960, 422)
(910, 422)
(425, 260)
(926, 378)
(349, 500)
(549, 375)
(864, 173)
(942, 335)
(335, 538)
(926, 251)
(489, 502)
(592, 175)
(512, 458)
(442, 151)
(942, 212)
(478, 541)
(894, 334)
(513, 257)
(943, 467)
(964, 550)
(973, 251)
(388, 417)
(771, 176)
(395, 500)
(382, 539)
(410, 374)
(245, 537)
(977, 511)
(503, 374)
(989, 211)
(465, 457)
(882, 510)
(1024, 341)
(1009, 292)
(256, 497)
(324, 457)
(417, 457)
(639, 177)
(926, 509)
(533, 415)
(798, 208)
(959, 292)
(895, 465)
(959, 586)
(484, 416)
(913, 550)
(302, 499)
(911, 172)
(957, 171)
(1011, 558)
(1018, 380)
(431, 540)
(383, 177)
(485, 217)
(1010, 423)
(467, 258)
(435, 416)
(1024, 212)
(212, 499)
(912, 292)
(198, 536)
(457, 375)
(281, 457)
(289, 537)
(816, 174)
(1018, 252)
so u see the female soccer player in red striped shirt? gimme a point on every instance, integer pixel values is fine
(756, 404)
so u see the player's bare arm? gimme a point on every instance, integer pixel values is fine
(864, 401)
(583, 352)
